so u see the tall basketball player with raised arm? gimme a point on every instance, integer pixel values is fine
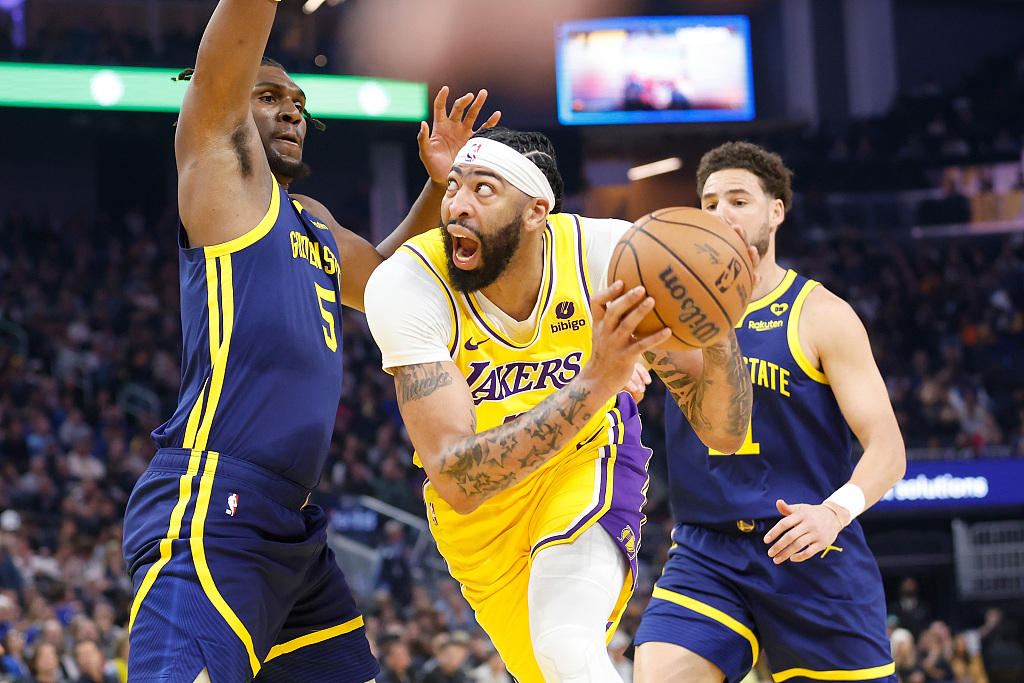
(233, 579)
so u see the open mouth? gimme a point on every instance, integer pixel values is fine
(289, 138)
(465, 247)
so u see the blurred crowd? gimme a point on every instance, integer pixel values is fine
(927, 649)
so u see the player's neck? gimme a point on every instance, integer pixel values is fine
(771, 274)
(516, 291)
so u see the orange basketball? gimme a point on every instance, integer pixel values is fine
(694, 265)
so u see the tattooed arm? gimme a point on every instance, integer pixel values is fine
(712, 388)
(465, 467)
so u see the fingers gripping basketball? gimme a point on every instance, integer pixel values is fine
(694, 266)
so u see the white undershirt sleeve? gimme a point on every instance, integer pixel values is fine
(602, 234)
(408, 313)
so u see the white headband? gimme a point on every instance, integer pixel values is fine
(510, 164)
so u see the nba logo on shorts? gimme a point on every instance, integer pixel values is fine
(232, 504)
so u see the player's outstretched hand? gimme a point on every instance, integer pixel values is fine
(803, 532)
(439, 144)
(637, 384)
(616, 315)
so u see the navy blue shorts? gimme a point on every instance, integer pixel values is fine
(722, 597)
(233, 573)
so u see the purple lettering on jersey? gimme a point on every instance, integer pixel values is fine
(519, 377)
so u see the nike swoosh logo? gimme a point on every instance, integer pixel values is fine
(470, 346)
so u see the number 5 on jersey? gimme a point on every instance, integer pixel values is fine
(330, 335)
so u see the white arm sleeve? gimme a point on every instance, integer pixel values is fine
(602, 234)
(408, 313)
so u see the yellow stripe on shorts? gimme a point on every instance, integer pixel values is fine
(712, 613)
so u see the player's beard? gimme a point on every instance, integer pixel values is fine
(286, 168)
(762, 239)
(496, 252)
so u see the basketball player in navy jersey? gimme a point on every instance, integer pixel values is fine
(232, 574)
(767, 551)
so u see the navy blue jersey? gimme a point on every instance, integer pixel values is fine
(262, 360)
(798, 446)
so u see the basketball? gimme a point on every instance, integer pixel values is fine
(694, 266)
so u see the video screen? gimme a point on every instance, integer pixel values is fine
(654, 70)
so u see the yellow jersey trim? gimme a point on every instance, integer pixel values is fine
(314, 637)
(254, 235)
(793, 335)
(852, 675)
(221, 300)
(192, 426)
(173, 533)
(203, 568)
(768, 298)
(712, 613)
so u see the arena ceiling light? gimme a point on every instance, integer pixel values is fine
(141, 89)
(654, 168)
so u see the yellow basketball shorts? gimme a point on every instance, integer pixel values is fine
(490, 550)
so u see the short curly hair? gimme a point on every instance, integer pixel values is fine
(769, 168)
(537, 148)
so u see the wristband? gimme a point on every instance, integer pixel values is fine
(850, 497)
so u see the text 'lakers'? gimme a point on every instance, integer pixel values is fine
(498, 383)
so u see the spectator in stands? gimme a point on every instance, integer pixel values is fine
(44, 665)
(92, 664)
(965, 660)
(53, 633)
(904, 654)
(914, 615)
(492, 670)
(120, 658)
(108, 631)
(395, 662)
(454, 609)
(1002, 650)
(392, 486)
(12, 662)
(934, 647)
(451, 652)
(395, 572)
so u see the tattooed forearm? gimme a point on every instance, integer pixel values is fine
(718, 399)
(413, 382)
(739, 392)
(494, 460)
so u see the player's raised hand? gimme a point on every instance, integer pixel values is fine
(438, 144)
(803, 532)
(616, 315)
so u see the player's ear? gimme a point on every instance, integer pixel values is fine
(777, 215)
(535, 213)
